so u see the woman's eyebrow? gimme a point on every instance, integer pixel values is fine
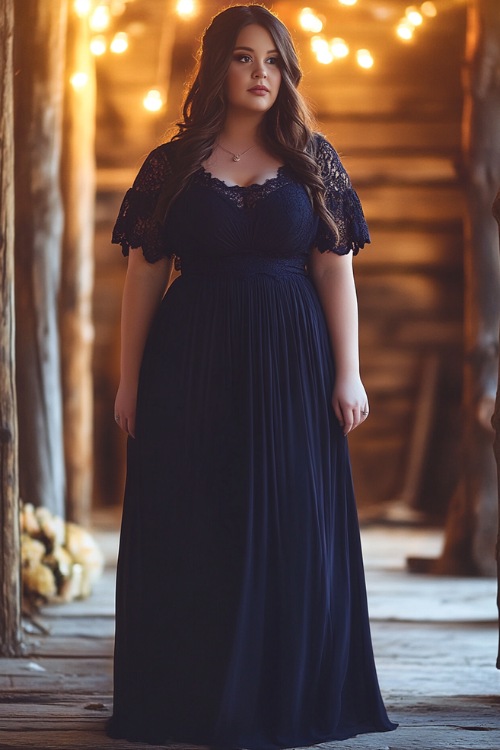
(250, 49)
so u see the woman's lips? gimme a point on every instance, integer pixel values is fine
(259, 90)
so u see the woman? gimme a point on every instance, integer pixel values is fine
(241, 607)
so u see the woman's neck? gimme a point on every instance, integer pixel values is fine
(240, 131)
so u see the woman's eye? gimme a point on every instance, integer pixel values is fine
(272, 60)
(242, 58)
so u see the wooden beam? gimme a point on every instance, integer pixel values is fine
(10, 568)
(39, 43)
(472, 519)
(75, 300)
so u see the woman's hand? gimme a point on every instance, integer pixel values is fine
(350, 402)
(125, 405)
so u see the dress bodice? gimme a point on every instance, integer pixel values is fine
(274, 219)
(212, 219)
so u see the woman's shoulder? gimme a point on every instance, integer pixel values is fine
(329, 162)
(157, 166)
(323, 149)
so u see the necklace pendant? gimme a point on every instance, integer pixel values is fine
(236, 157)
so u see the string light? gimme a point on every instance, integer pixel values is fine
(82, 8)
(185, 8)
(310, 21)
(364, 58)
(429, 9)
(153, 101)
(339, 48)
(405, 30)
(414, 16)
(348, 2)
(100, 18)
(119, 43)
(98, 45)
(79, 80)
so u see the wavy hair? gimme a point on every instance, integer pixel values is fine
(286, 129)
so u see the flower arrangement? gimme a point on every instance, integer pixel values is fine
(60, 560)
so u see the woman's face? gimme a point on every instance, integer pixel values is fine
(254, 75)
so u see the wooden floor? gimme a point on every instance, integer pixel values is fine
(435, 643)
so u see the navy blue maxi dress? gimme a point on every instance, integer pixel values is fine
(241, 614)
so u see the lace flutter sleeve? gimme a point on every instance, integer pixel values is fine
(136, 224)
(343, 203)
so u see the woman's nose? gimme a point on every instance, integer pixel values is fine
(260, 72)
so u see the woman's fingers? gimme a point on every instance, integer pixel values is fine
(350, 416)
(127, 424)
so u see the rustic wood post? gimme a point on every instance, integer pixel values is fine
(470, 533)
(75, 308)
(10, 567)
(39, 40)
(495, 421)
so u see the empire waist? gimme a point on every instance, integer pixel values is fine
(243, 265)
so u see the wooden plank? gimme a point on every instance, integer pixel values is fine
(353, 136)
(56, 646)
(442, 204)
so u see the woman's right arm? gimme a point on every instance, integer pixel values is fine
(145, 285)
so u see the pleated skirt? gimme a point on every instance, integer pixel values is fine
(241, 613)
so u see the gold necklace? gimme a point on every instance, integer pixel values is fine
(236, 157)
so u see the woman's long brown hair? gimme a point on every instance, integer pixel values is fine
(286, 128)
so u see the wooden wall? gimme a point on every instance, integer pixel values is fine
(397, 128)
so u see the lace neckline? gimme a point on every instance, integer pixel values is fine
(268, 182)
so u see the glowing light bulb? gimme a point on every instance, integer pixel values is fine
(119, 43)
(318, 43)
(79, 80)
(324, 56)
(405, 30)
(348, 2)
(98, 45)
(153, 101)
(100, 18)
(429, 9)
(185, 8)
(310, 21)
(339, 48)
(364, 58)
(414, 16)
(82, 7)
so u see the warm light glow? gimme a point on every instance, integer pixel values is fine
(364, 58)
(98, 45)
(82, 7)
(324, 56)
(119, 43)
(348, 2)
(185, 8)
(310, 21)
(118, 7)
(405, 30)
(413, 15)
(429, 9)
(100, 18)
(339, 47)
(153, 101)
(318, 43)
(79, 80)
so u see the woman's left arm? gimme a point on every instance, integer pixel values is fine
(333, 278)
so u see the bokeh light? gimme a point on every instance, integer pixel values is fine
(153, 101)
